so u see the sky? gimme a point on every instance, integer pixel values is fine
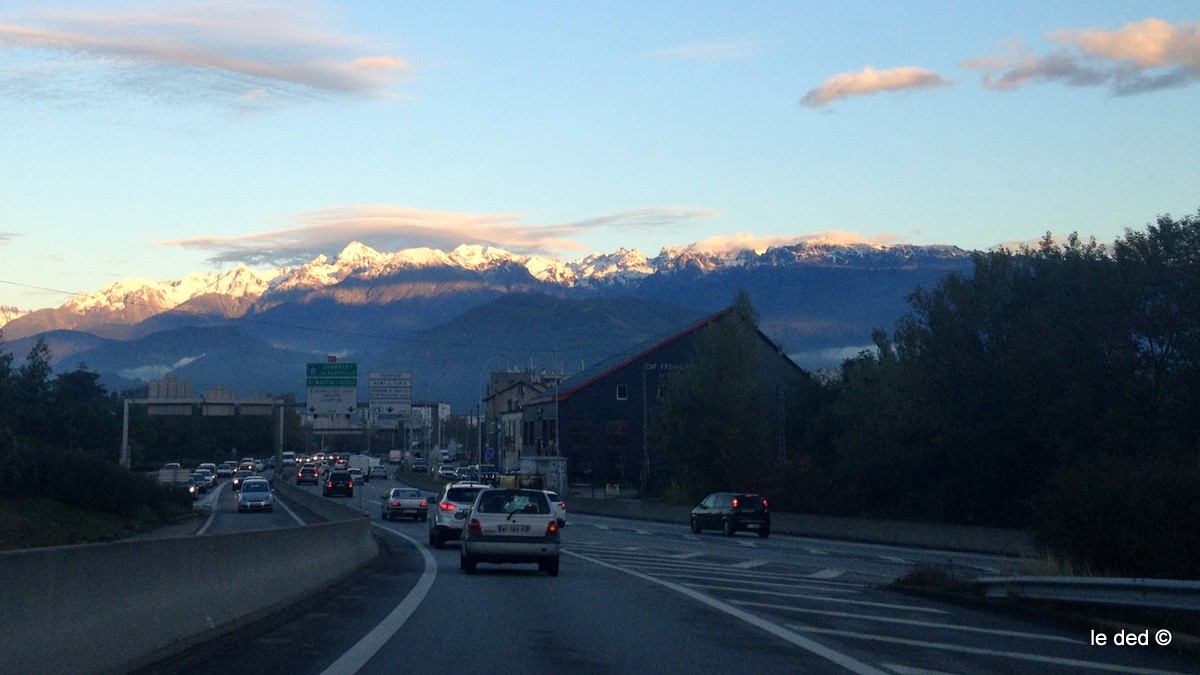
(159, 139)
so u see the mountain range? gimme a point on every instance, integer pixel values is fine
(449, 318)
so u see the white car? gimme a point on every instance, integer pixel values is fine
(511, 526)
(559, 505)
(358, 475)
(447, 516)
(255, 495)
(379, 471)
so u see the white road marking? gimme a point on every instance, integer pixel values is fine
(908, 622)
(750, 564)
(813, 647)
(366, 648)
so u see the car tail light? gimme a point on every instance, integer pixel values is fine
(395, 503)
(552, 527)
(447, 506)
(424, 504)
(764, 502)
(735, 502)
(328, 483)
(352, 483)
(474, 527)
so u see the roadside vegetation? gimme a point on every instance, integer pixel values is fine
(1055, 388)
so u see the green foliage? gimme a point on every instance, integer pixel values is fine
(1054, 387)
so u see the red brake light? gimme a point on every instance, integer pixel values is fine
(735, 502)
(764, 502)
(328, 483)
(552, 527)
(474, 527)
(424, 503)
(447, 506)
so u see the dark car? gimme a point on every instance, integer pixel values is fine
(338, 483)
(307, 474)
(732, 512)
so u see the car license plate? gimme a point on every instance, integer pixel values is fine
(512, 528)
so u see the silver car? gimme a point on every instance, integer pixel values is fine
(511, 526)
(255, 495)
(404, 503)
(447, 515)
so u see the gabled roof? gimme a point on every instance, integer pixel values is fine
(617, 361)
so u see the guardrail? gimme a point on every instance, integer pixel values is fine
(1155, 593)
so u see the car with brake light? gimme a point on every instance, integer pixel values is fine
(308, 474)
(448, 514)
(378, 472)
(511, 526)
(404, 502)
(732, 512)
(559, 505)
(338, 483)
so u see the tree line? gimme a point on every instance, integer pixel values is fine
(1055, 387)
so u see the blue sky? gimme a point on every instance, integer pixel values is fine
(157, 139)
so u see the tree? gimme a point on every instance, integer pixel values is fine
(717, 437)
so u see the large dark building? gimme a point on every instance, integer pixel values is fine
(598, 418)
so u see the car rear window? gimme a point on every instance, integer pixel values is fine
(514, 502)
(462, 494)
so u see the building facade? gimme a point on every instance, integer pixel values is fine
(599, 418)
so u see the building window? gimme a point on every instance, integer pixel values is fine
(622, 392)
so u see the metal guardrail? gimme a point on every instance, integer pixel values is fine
(1155, 593)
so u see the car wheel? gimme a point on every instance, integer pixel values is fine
(695, 526)
(765, 532)
(431, 537)
(549, 567)
(438, 541)
(727, 528)
(467, 564)
(383, 515)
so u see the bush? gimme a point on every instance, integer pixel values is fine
(1126, 516)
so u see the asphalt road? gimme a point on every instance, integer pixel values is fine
(637, 597)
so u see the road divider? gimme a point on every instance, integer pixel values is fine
(97, 608)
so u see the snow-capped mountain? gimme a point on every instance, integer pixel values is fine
(362, 275)
(442, 314)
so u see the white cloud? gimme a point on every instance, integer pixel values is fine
(1144, 56)
(386, 227)
(283, 48)
(871, 81)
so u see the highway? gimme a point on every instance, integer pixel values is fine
(638, 597)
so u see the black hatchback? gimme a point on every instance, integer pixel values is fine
(339, 483)
(732, 512)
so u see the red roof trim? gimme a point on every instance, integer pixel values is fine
(562, 395)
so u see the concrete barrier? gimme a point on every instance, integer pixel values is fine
(99, 608)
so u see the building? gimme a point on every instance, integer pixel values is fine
(598, 418)
(506, 395)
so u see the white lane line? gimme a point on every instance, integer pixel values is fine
(211, 501)
(358, 655)
(826, 598)
(907, 622)
(828, 573)
(749, 564)
(905, 670)
(684, 556)
(1072, 663)
(812, 646)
